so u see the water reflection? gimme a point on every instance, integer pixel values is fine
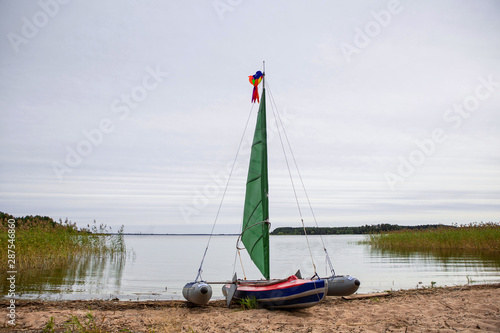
(90, 275)
(160, 261)
(409, 269)
(448, 259)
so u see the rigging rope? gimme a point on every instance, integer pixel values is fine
(223, 195)
(242, 268)
(278, 118)
(279, 124)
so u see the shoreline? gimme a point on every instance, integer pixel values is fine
(468, 307)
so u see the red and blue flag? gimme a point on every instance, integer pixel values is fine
(255, 80)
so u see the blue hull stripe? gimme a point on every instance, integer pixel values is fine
(294, 303)
(304, 295)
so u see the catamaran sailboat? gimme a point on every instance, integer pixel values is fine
(290, 292)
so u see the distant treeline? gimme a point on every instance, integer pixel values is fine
(38, 221)
(366, 229)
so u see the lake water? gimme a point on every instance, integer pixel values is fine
(158, 266)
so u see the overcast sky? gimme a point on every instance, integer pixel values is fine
(130, 112)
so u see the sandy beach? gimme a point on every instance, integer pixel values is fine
(450, 309)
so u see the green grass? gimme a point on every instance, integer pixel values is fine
(249, 303)
(475, 237)
(89, 324)
(41, 243)
(50, 326)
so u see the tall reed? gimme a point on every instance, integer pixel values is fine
(42, 243)
(475, 237)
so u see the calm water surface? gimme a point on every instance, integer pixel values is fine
(157, 267)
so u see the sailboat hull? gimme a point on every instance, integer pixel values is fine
(291, 293)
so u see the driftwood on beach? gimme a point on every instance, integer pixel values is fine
(363, 296)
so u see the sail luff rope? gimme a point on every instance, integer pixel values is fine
(235, 259)
(223, 195)
(241, 263)
(303, 186)
(279, 124)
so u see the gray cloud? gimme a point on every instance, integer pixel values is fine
(76, 72)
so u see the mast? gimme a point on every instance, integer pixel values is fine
(263, 76)
(255, 229)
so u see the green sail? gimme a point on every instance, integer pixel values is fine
(256, 233)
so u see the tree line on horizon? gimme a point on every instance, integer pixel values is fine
(30, 221)
(49, 224)
(361, 230)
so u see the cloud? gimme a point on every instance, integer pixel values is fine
(349, 122)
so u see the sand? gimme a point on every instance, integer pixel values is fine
(450, 309)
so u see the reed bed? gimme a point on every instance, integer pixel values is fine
(475, 237)
(41, 243)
